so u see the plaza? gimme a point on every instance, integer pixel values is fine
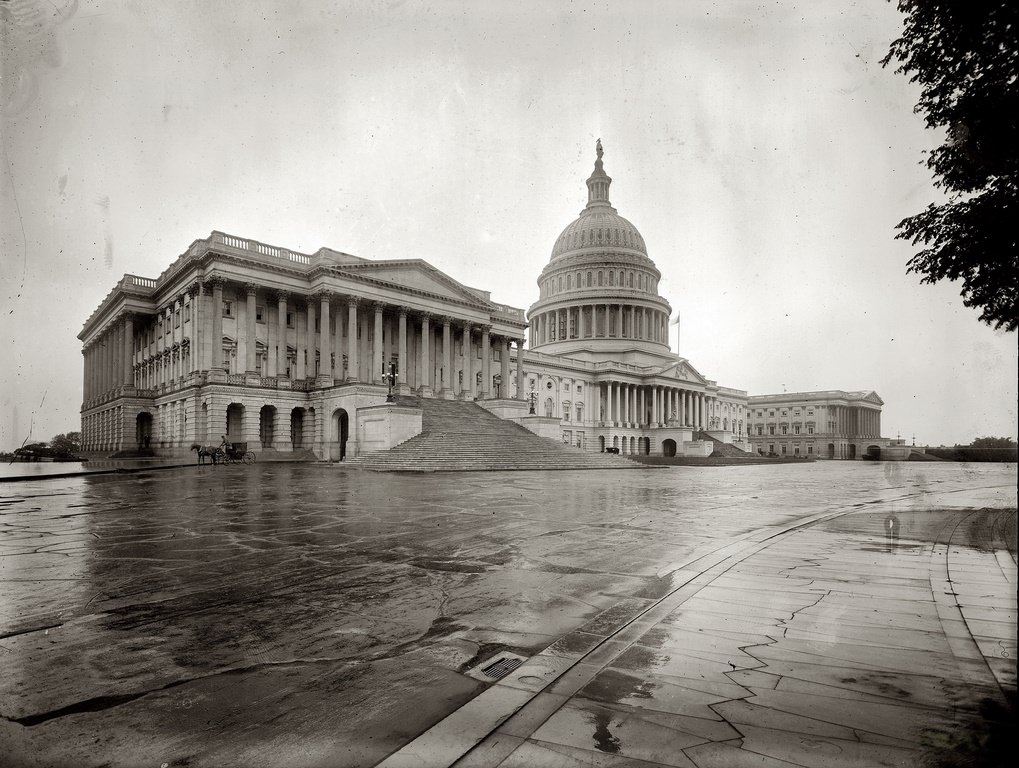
(832, 613)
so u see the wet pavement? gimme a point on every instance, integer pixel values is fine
(826, 614)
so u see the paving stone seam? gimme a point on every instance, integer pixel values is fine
(964, 647)
(746, 545)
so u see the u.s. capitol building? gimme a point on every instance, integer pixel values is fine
(288, 352)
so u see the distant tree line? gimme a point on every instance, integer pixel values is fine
(62, 446)
(981, 449)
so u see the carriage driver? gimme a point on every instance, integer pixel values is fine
(225, 446)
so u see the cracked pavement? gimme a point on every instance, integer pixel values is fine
(308, 615)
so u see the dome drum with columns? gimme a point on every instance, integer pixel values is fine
(598, 295)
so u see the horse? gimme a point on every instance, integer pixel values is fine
(203, 451)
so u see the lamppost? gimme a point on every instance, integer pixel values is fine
(532, 400)
(390, 378)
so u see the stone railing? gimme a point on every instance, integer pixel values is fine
(262, 249)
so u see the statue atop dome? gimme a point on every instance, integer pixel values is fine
(598, 149)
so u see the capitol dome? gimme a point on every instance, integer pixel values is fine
(599, 290)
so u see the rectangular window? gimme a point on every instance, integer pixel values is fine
(796, 451)
(187, 312)
(228, 309)
(290, 319)
(810, 449)
(259, 314)
(771, 430)
(810, 430)
(784, 450)
(796, 429)
(785, 430)
(176, 319)
(580, 389)
(760, 430)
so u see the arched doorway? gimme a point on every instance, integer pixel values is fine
(831, 450)
(341, 428)
(852, 450)
(873, 453)
(646, 448)
(267, 425)
(297, 428)
(668, 447)
(601, 443)
(615, 443)
(143, 429)
(549, 406)
(633, 445)
(234, 422)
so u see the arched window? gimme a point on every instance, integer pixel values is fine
(629, 280)
(549, 406)
(612, 277)
(588, 279)
(560, 285)
(569, 282)
(580, 411)
(600, 278)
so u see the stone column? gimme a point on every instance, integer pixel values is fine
(281, 334)
(504, 370)
(250, 366)
(325, 370)
(301, 330)
(127, 361)
(215, 353)
(403, 364)
(378, 363)
(520, 369)
(353, 372)
(425, 387)
(469, 388)
(608, 403)
(447, 360)
(486, 362)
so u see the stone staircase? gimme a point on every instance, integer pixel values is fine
(722, 450)
(458, 436)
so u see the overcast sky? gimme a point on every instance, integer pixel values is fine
(760, 149)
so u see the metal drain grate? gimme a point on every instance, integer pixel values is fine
(502, 667)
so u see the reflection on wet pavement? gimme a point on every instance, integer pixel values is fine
(304, 615)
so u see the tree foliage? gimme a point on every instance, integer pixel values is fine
(993, 442)
(963, 53)
(66, 444)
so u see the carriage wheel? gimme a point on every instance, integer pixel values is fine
(249, 457)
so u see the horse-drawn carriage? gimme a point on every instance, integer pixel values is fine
(232, 453)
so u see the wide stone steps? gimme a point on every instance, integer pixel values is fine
(462, 436)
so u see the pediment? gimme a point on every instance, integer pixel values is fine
(683, 371)
(415, 275)
(868, 397)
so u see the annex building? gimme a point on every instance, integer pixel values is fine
(288, 352)
(826, 425)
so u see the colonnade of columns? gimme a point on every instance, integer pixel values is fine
(108, 360)
(333, 339)
(854, 421)
(624, 404)
(600, 320)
